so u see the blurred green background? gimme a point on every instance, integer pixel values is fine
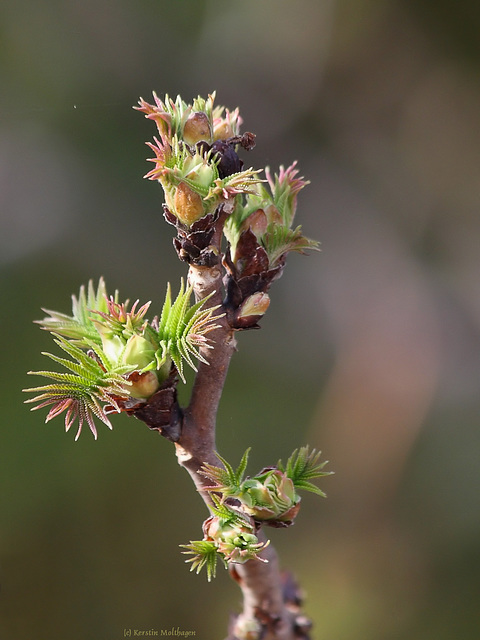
(370, 351)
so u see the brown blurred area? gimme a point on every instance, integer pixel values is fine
(370, 350)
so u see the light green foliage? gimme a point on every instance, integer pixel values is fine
(80, 327)
(269, 214)
(227, 480)
(182, 328)
(83, 392)
(271, 495)
(204, 555)
(108, 343)
(302, 466)
(229, 535)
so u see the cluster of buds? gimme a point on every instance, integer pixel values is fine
(242, 505)
(199, 169)
(270, 497)
(199, 122)
(228, 534)
(119, 358)
(233, 536)
(260, 235)
(225, 217)
(208, 194)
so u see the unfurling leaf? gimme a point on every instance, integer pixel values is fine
(118, 357)
(302, 466)
(83, 393)
(204, 555)
(270, 496)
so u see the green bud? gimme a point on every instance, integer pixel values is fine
(220, 529)
(201, 175)
(113, 345)
(256, 493)
(271, 496)
(282, 486)
(143, 385)
(139, 352)
(233, 537)
(239, 548)
(253, 492)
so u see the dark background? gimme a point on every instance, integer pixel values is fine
(370, 351)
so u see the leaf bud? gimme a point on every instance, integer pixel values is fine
(222, 130)
(142, 385)
(113, 345)
(188, 204)
(196, 128)
(138, 352)
(257, 222)
(271, 497)
(273, 215)
(202, 174)
(255, 305)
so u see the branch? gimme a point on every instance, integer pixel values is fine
(196, 445)
(193, 432)
(121, 362)
(260, 582)
(263, 597)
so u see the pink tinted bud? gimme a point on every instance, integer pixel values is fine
(222, 130)
(255, 305)
(273, 215)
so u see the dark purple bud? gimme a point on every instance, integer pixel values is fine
(227, 158)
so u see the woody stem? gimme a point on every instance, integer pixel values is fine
(260, 581)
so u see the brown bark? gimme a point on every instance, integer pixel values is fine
(261, 582)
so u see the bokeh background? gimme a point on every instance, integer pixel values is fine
(370, 351)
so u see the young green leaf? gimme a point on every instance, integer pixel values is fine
(182, 328)
(204, 555)
(83, 393)
(80, 326)
(227, 480)
(302, 466)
